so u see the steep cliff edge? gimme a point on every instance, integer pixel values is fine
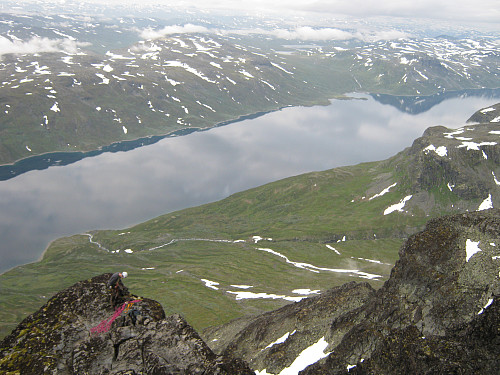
(58, 339)
(438, 313)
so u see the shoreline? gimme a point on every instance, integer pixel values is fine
(40, 258)
(82, 154)
(172, 134)
(43, 161)
(62, 158)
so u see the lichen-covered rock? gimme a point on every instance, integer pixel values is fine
(439, 311)
(437, 314)
(448, 272)
(57, 339)
(273, 340)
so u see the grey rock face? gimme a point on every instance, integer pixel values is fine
(460, 160)
(58, 340)
(437, 314)
(302, 324)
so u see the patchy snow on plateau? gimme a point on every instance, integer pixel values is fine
(105, 81)
(312, 268)
(371, 260)
(189, 69)
(307, 357)
(205, 105)
(256, 239)
(281, 68)
(486, 110)
(281, 340)
(495, 178)
(55, 107)
(268, 84)
(211, 284)
(385, 191)
(306, 291)
(334, 249)
(246, 74)
(172, 82)
(490, 301)
(475, 146)
(251, 295)
(218, 66)
(242, 286)
(398, 206)
(451, 134)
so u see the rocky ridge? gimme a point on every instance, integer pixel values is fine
(438, 313)
(57, 339)
(449, 170)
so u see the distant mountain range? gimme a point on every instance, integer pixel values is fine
(78, 83)
(263, 248)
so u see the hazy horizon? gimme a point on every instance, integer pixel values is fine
(455, 10)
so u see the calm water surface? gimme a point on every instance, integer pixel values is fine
(116, 190)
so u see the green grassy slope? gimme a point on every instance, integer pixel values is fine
(311, 231)
(80, 102)
(301, 214)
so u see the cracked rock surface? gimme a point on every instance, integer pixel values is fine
(437, 314)
(57, 339)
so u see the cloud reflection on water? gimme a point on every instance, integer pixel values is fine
(115, 190)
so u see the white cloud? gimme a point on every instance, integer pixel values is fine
(453, 10)
(175, 29)
(299, 33)
(305, 33)
(384, 35)
(38, 45)
(309, 33)
(473, 11)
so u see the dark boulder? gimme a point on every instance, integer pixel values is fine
(58, 339)
(437, 314)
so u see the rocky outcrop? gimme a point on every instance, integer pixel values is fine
(485, 115)
(438, 313)
(273, 340)
(58, 339)
(464, 161)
